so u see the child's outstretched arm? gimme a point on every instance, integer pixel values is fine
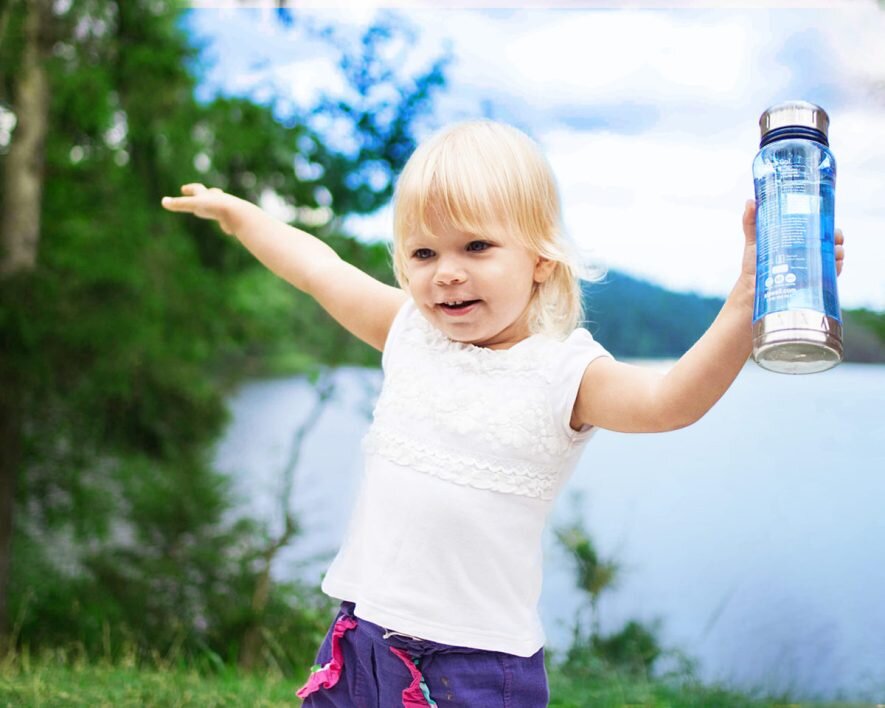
(362, 305)
(633, 399)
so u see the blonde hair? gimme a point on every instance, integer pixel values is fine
(482, 176)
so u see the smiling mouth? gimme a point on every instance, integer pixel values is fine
(455, 305)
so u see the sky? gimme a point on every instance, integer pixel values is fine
(647, 115)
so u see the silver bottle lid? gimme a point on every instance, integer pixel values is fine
(790, 113)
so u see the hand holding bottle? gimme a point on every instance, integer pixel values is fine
(748, 264)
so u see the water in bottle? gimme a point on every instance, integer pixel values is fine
(797, 324)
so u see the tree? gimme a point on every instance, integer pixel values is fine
(122, 340)
(23, 176)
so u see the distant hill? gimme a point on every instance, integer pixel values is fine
(634, 318)
(864, 336)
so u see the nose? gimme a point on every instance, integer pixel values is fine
(449, 272)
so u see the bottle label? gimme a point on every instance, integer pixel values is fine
(795, 266)
(801, 204)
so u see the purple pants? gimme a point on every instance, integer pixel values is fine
(357, 666)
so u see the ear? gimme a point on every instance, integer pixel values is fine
(543, 269)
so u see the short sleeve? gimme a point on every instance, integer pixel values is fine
(576, 354)
(394, 334)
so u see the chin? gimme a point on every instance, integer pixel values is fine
(461, 335)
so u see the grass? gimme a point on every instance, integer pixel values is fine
(65, 679)
(96, 687)
(615, 692)
(58, 679)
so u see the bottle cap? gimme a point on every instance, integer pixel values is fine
(800, 114)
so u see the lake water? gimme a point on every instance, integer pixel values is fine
(756, 536)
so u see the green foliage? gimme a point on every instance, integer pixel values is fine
(125, 341)
(593, 574)
(177, 581)
(381, 120)
(863, 336)
(874, 321)
(634, 649)
(12, 15)
(609, 689)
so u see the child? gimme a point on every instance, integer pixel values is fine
(490, 394)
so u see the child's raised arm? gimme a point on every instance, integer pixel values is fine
(633, 399)
(360, 303)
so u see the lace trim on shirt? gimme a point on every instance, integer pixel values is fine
(512, 421)
(526, 479)
(520, 360)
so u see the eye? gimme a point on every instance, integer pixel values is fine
(422, 254)
(477, 246)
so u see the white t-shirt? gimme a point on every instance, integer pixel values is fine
(466, 453)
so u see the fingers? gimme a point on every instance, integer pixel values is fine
(749, 220)
(839, 250)
(178, 203)
(840, 258)
(186, 203)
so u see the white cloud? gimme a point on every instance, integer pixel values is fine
(654, 207)
(607, 54)
(304, 80)
(377, 226)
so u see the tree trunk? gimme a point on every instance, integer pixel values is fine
(19, 236)
(251, 642)
(24, 165)
(10, 460)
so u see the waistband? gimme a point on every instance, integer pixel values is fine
(415, 646)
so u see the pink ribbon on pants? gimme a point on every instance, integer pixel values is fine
(328, 675)
(413, 696)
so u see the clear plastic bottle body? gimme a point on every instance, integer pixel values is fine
(797, 321)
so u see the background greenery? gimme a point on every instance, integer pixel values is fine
(126, 332)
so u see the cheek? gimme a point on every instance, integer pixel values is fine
(413, 276)
(519, 275)
(418, 285)
(504, 271)
(414, 288)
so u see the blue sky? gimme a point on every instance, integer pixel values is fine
(649, 117)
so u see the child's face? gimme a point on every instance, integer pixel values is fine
(496, 274)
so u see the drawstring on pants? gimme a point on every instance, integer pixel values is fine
(416, 695)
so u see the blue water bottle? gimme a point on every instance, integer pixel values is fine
(797, 324)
